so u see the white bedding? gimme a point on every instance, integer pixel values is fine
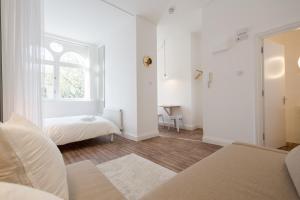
(66, 130)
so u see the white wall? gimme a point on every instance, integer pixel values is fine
(291, 42)
(182, 58)
(129, 85)
(53, 108)
(84, 20)
(197, 85)
(176, 89)
(230, 104)
(146, 79)
(120, 75)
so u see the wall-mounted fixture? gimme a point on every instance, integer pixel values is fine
(166, 76)
(198, 73)
(299, 62)
(210, 79)
(229, 43)
(147, 61)
(242, 34)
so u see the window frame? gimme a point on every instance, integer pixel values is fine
(57, 64)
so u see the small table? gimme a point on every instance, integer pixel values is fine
(169, 108)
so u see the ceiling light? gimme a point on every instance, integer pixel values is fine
(172, 10)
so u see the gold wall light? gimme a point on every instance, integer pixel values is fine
(147, 61)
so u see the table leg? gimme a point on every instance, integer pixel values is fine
(168, 111)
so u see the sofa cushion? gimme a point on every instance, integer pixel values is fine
(293, 164)
(238, 171)
(10, 191)
(86, 182)
(28, 157)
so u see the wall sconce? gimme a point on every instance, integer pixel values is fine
(147, 61)
(299, 62)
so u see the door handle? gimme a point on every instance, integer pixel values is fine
(284, 100)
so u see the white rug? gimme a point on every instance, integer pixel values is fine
(135, 176)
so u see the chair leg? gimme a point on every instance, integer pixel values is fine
(175, 123)
(112, 138)
(158, 122)
(177, 126)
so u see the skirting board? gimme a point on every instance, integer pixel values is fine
(217, 141)
(145, 136)
(191, 127)
(187, 127)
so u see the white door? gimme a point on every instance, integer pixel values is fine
(274, 100)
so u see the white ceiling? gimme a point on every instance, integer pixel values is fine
(150, 9)
(84, 20)
(154, 9)
(92, 20)
(187, 16)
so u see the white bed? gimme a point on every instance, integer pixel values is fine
(64, 130)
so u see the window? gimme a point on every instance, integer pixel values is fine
(48, 83)
(71, 82)
(56, 47)
(74, 58)
(47, 55)
(65, 71)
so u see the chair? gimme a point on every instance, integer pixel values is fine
(176, 119)
(161, 116)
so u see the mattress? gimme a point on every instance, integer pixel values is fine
(66, 130)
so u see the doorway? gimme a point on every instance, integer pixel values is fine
(281, 94)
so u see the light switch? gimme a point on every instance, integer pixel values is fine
(240, 73)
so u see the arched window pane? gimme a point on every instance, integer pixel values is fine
(47, 55)
(56, 47)
(73, 58)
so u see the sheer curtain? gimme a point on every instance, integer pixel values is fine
(22, 31)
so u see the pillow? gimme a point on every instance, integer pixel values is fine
(16, 192)
(293, 164)
(20, 121)
(28, 157)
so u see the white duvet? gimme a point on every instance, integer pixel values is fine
(66, 130)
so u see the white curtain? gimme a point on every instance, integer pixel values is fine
(22, 31)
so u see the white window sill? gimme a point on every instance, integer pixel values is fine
(68, 100)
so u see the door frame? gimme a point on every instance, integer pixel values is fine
(259, 38)
(1, 84)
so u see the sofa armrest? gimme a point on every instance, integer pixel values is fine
(86, 182)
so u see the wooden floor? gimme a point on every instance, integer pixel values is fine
(184, 135)
(289, 146)
(171, 150)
